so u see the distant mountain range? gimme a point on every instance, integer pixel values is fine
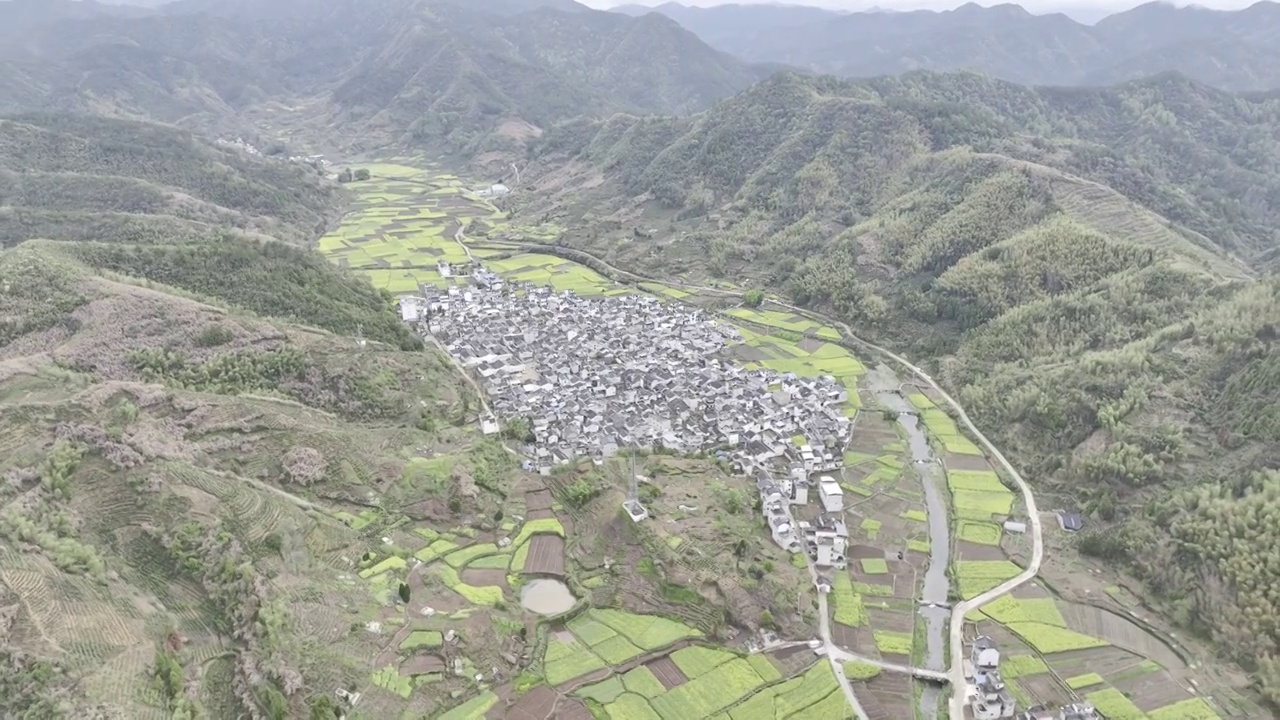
(446, 70)
(1235, 50)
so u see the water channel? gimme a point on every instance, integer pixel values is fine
(545, 596)
(934, 593)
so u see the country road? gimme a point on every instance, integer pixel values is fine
(956, 670)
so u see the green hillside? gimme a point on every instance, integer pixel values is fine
(1075, 264)
(199, 423)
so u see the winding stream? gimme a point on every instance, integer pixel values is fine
(933, 596)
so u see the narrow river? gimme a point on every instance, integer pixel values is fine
(933, 596)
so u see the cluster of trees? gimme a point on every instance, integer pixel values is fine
(158, 155)
(47, 523)
(270, 279)
(351, 391)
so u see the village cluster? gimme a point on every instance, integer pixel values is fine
(594, 375)
(591, 376)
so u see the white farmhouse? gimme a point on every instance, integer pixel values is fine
(831, 494)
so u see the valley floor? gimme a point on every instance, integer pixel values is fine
(931, 522)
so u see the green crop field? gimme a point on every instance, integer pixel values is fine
(463, 557)
(648, 632)
(630, 706)
(848, 604)
(1084, 681)
(1008, 609)
(706, 695)
(1115, 706)
(1193, 709)
(977, 576)
(1051, 639)
(696, 661)
(981, 533)
(545, 526)
(896, 643)
(856, 670)
(642, 681)
(603, 692)
(422, 639)
(1022, 665)
(875, 566)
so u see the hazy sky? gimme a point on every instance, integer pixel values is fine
(1035, 6)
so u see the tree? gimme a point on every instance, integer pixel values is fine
(345, 176)
(362, 174)
(322, 708)
(766, 619)
(167, 673)
(753, 298)
(404, 593)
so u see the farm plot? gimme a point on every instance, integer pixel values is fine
(546, 555)
(567, 658)
(978, 576)
(667, 673)
(977, 495)
(1119, 631)
(706, 695)
(942, 427)
(648, 632)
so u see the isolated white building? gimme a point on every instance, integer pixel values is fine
(831, 494)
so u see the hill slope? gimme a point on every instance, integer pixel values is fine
(191, 432)
(1229, 49)
(1068, 261)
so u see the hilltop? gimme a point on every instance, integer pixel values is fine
(1063, 260)
(1234, 50)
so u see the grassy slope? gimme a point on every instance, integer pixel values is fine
(1066, 259)
(152, 397)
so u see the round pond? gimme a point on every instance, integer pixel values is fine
(545, 596)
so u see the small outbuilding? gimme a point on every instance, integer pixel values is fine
(1070, 521)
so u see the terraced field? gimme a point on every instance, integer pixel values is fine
(405, 220)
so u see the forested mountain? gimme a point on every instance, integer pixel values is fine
(1083, 267)
(435, 72)
(1235, 50)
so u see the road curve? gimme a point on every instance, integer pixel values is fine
(958, 686)
(956, 670)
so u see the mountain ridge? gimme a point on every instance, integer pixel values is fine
(1226, 48)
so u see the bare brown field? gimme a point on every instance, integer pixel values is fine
(667, 672)
(572, 709)
(480, 578)
(965, 462)
(1119, 631)
(896, 620)
(546, 555)
(892, 694)
(858, 552)
(538, 500)
(851, 638)
(974, 551)
(1105, 661)
(1043, 689)
(537, 704)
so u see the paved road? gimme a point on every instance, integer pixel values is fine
(959, 689)
(829, 648)
(956, 671)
